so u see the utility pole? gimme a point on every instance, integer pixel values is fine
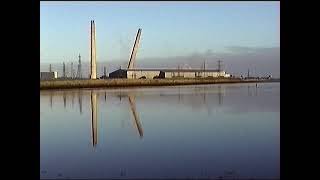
(64, 70)
(248, 74)
(79, 74)
(104, 72)
(204, 68)
(71, 70)
(50, 68)
(219, 67)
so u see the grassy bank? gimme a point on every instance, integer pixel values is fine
(66, 84)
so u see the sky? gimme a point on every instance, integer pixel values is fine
(191, 31)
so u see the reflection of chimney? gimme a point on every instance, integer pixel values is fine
(137, 123)
(94, 123)
(93, 51)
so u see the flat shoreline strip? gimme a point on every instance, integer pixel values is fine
(98, 83)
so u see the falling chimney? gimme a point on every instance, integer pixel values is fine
(134, 50)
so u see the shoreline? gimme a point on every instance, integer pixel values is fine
(112, 83)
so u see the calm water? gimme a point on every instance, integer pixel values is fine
(206, 131)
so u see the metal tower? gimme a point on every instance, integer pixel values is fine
(72, 72)
(104, 72)
(219, 66)
(79, 74)
(64, 70)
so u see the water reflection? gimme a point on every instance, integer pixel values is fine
(182, 97)
(94, 118)
(51, 101)
(205, 98)
(238, 135)
(179, 93)
(136, 122)
(80, 101)
(253, 90)
(200, 97)
(94, 122)
(72, 100)
(64, 99)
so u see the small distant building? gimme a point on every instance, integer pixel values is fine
(166, 73)
(120, 73)
(48, 75)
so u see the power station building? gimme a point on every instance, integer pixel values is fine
(132, 73)
(48, 75)
(167, 73)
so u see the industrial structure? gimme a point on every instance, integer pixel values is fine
(48, 75)
(132, 73)
(79, 73)
(167, 73)
(93, 74)
(71, 71)
(63, 70)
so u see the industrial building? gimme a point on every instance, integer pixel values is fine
(48, 75)
(132, 73)
(167, 73)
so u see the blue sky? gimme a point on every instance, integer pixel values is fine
(168, 28)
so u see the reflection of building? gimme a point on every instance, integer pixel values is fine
(94, 124)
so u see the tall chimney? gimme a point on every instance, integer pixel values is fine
(134, 50)
(93, 51)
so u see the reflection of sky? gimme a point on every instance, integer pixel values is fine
(180, 137)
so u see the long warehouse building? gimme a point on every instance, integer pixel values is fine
(167, 73)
